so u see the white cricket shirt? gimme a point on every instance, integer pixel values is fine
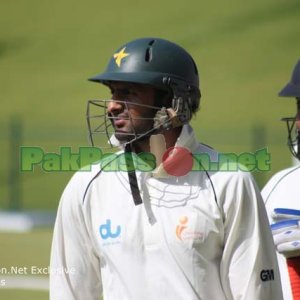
(196, 236)
(282, 191)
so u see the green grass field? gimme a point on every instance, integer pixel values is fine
(23, 295)
(24, 250)
(245, 52)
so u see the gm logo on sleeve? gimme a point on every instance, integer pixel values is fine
(267, 275)
(106, 231)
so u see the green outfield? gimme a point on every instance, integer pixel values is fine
(23, 295)
(23, 254)
(245, 51)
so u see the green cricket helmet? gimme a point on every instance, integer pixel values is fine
(159, 63)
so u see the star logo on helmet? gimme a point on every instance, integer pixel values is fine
(119, 56)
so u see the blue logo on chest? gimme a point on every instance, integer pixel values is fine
(106, 231)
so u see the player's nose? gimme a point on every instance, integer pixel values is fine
(114, 107)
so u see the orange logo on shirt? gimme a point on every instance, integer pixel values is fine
(182, 226)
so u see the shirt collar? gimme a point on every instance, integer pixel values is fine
(185, 140)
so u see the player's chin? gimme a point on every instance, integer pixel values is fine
(127, 133)
(124, 136)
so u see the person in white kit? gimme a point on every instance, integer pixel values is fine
(282, 199)
(172, 230)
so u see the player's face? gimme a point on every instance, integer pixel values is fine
(128, 117)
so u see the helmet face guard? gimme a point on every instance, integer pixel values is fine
(100, 123)
(293, 136)
(162, 65)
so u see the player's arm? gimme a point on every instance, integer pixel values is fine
(74, 268)
(249, 267)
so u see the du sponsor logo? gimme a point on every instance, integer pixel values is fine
(185, 233)
(107, 232)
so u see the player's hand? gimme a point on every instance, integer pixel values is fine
(286, 231)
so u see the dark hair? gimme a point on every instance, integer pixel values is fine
(163, 98)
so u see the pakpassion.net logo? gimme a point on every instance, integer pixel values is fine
(176, 161)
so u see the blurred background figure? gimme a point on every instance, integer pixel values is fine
(281, 196)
